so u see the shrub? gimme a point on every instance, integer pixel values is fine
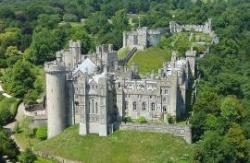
(171, 119)
(127, 119)
(27, 156)
(41, 133)
(142, 120)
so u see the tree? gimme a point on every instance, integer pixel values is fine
(27, 156)
(19, 79)
(44, 45)
(211, 148)
(7, 146)
(77, 33)
(232, 109)
(236, 145)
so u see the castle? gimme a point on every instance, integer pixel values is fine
(96, 92)
(142, 38)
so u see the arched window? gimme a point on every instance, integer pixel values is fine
(164, 108)
(152, 106)
(143, 105)
(134, 105)
(92, 106)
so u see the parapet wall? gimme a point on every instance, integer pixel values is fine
(184, 132)
(205, 28)
(53, 67)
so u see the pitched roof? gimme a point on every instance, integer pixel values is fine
(87, 66)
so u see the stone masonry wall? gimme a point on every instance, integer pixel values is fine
(180, 131)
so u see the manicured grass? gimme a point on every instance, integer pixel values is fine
(43, 160)
(121, 146)
(25, 141)
(122, 53)
(150, 59)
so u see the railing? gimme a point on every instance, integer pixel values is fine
(130, 54)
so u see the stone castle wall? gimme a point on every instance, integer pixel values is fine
(184, 132)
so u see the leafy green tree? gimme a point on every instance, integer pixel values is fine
(232, 109)
(70, 18)
(77, 33)
(236, 145)
(45, 43)
(211, 149)
(27, 156)
(5, 116)
(19, 79)
(7, 146)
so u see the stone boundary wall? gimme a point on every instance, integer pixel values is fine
(184, 132)
(55, 158)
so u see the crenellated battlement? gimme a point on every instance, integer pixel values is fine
(105, 48)
(54, 67)
(74, 44)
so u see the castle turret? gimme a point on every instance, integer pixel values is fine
(191, 56)
(103, 100)
(173, 93)
(82, 103)
(125, 37)
(55, 90)
(75, 51)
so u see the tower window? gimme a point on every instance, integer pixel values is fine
(92, 106)
(96, 107)
(164, 108)
(134, 105)
(152, 106)
(144, 106)
(135, 40)
(126, 105)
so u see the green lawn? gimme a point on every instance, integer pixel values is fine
(122, 53)
(121, 146)
(150, 59)
(25, 141)
(42, 160)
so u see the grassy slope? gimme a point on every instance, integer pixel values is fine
(42, 160)
(150, 59)
(122, 146)
(122, 53)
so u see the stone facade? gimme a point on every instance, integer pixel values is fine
(184, 132)
(205, 28)
(96, 92)
(142, 38)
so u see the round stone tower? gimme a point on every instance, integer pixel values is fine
(55, 94)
